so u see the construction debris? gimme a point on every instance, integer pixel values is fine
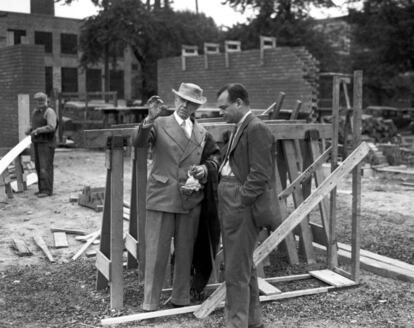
(42, 245)
(60, 239)
(92, 198)
(21, 248)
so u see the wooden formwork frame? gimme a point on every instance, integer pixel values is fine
(284, 131)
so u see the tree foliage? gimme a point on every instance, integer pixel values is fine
(384, 48)
(151, 32)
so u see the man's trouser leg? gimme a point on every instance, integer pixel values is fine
(44, 157)
(239, 240)
(159, 229)
(186, 226)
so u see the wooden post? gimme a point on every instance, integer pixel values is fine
(356, 178)
(332, 250)
(109, 258)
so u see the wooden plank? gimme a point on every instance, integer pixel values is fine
(42, 245)
(131, 245)
(356, 178)
(332, 257)
(69, 231)
(290, 155)
(267, 288)
(86, 237)
(20, 246)
(332, 278)
(319, 177)
(280, 129)
(194, 308)
(103, 264)
(87, 244)
(90, 253)
(60, 239)
(116, 223)
(6, 160)
(374, 266)
(380, 258)
(292, 221)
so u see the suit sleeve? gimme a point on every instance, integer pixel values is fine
(211, 154)
(144, 134)
(260, 141)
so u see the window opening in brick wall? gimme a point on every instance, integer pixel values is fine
(116, 82)
(17, 35)
(68, 44)
(44, 38)
(69, 79)
(49, 80)
(93, 80)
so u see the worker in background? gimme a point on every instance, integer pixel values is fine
(183, 154)
(42, 132)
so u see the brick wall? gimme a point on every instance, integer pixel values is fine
(289, 70)
(21, 71)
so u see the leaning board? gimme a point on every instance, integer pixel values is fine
(12, 154)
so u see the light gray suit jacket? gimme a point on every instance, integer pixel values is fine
(173, 154)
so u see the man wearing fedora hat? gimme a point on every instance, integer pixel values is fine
(42, 131)
(184, 154)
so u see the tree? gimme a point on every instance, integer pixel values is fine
(383, 47)
(152, 33)
(289, 22)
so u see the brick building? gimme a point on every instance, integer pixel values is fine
(39, 51)
(264, 72)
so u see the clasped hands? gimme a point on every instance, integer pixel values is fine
(195, 174)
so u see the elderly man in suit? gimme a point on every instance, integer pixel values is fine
(183, 152)
(246, 172)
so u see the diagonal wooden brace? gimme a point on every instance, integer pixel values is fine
(291, 222)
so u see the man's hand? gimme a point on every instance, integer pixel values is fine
(155, 105)
(28, 131)
(34, 133)
(198, 171)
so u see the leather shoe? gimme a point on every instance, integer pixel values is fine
(42, 195)
(260, 326)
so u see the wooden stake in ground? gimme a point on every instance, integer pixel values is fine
(291, 222)
(42, 245)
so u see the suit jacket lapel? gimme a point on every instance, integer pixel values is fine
(240, 132)
(176, 133)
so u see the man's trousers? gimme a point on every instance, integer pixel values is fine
(44, 153)
(239, 241)
(160, 227)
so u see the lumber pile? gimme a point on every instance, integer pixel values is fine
(380, 129)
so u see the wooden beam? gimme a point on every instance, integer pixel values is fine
(69, 231)
(7, 159)
(88, 243)
(356, 178)
(42, 245)
(21, 248)
(280, 129)
(291, 222)
(60, 239)
(193, 308)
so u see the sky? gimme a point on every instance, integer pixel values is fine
(222, 14)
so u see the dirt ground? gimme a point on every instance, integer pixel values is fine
(35, 293)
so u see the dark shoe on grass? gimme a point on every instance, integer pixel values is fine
(42, 195)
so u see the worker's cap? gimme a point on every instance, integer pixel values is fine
(40, 96)
(191, 92)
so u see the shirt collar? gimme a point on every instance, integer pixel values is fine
(243, 118)
(179, 119)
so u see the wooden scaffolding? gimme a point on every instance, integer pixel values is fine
(302, 148)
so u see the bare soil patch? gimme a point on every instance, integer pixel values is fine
(35, 293)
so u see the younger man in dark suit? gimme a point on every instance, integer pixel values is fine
(245, 173)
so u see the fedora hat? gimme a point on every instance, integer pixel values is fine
(191, 92)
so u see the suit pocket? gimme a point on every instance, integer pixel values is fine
(159, 178)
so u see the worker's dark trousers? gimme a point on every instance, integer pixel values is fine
(239, 235)
(44, 152)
